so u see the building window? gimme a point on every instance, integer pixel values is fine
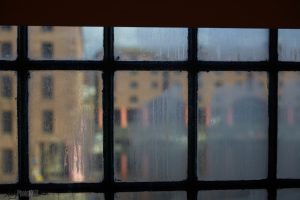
(6, 86)
(6, 28)
(7, 122)
(48, 121)
(218, 83)
(154, 85)
(6, 50)
(134, 85)
(7, 161)
(133, 99)
(47, 28)
(47, 87)
(47, 50)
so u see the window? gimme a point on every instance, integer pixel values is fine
(7, 122)
(133, 99)
(133, 85)
(6, 50)
(47, 87)
(6, 28)
(47, 28)
(225, 143)
(47, 50)
(48, 121)
(6, 86)
(7, 161)
(154, 85)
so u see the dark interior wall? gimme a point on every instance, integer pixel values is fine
(187, 13)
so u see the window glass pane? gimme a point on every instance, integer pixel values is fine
(65, 43)
(288, 125)
(226, 44)
(288, 194)
(8, 197)
(68, 196)
(289, 45)
(8, 128)
(151, 131)
(150, 44)
(232, 125)
(66, 130)
(232, 195)
(8, 42)
(151, 196)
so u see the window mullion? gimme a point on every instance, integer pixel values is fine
(192, 115)
(22, 110)
(272, 110)
(108, 106)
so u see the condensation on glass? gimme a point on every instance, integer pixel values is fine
(233, 194)
(8, 197)
(289, 45)
(151, 131)
(65, 43)
(151, 196)
(288, 161)
(65, 126)
(8, 127)
(8, 42)
(68, 196)
(232, 125)
(288, 194)
(227, 44)
(139, 44)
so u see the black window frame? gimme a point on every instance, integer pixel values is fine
(109, 65)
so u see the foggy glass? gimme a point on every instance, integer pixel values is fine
(139, 44)
(8, 127)
(66, 145)
(232, 125)
(232, 195)
(151, 196)
(8, 197)
(8, 42)
(289, 45)
(151, 131)
(68, 196)
(65, 43)
(288, 194)
(288, 161)
(227, 44)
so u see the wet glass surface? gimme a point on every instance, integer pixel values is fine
(65, 126)
(65, 43)
(150, 126)
(227, 44)
(288, 161)
(8, 127)
(151, 196)
(232, 195)
(163, 44)
(232, 125)
(289, 45)
(8, 42)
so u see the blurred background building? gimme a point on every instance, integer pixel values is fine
(65, 108)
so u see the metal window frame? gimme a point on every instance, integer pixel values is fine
(22, 65)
